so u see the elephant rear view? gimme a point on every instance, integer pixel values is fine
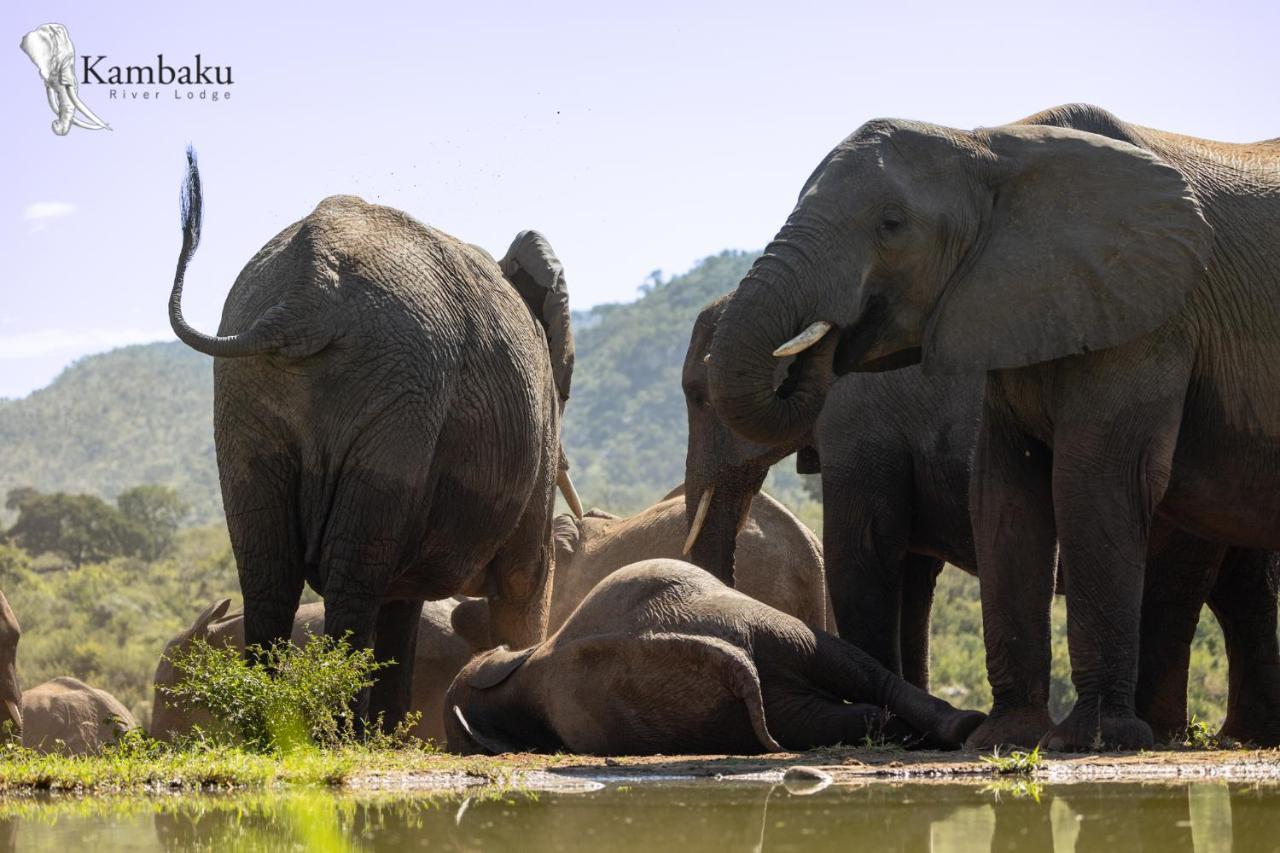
(386, 424)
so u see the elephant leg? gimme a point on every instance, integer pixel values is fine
(800, 720)
(261, 522)
(1113, 454)
(1180, 570)
(396, 640)
(1011, 508)
(518, 579)
(866, 509)
(919, 579)
(1244, 602)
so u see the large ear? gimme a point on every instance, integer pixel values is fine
(532, 266)
(1092, 242)
(498, 667)
(208, 616)
(685, 666)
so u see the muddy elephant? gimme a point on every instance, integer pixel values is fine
(61, 715)
(440, 654)
(386, 423)
(894, 450)
(781, 559)
(663, 658)
(1117, 286)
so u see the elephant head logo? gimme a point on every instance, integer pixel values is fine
(50, 48)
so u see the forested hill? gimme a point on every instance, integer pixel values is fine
(143, 414)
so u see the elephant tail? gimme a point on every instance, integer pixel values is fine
(265, 336)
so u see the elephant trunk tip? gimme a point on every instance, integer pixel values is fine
(191, 202)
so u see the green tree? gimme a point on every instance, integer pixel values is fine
(78, 527)
(156, 512)
(18, 496)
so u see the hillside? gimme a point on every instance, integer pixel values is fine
(143, 414)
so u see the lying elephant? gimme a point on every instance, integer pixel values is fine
(779, 559)
(663, 658)
(441, 653)
(61, 715)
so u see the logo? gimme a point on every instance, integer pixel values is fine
(49, 47)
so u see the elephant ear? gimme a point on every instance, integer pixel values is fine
(532, 266)
(207, 617)
(674, 674)
(1092, 242)
(498, 667)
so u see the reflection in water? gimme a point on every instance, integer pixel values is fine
(1205, 817)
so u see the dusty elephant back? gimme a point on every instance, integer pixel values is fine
(778, 560)
(67, 715)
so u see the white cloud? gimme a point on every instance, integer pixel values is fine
(41, 213)
(75, 341)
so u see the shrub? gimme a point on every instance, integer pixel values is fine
(293, 697)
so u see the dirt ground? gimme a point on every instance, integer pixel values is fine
(842, 766)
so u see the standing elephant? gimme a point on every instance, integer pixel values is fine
(1119, 287)
(781, 559)
(895, 450)
(439, 656)
(386, 424)
(61, 715)
(663, 658)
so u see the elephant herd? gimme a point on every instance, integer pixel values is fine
(1044, 352)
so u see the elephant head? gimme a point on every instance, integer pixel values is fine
(165, 717)
(965, 251)
(722, 471)
(10, 688)
(532, 267)
(49, 47)
(477, 704)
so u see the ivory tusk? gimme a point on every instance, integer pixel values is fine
(699, 519)
(804, 340)
(53, 99)
(570, 493)
(89, 114)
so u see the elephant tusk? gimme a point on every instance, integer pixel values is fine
(53, 99)
(570, 493)
(699, 519)
(89, 114)
(804, 340)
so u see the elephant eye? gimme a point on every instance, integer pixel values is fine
(889, 224)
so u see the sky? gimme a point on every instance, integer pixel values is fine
(637, 136)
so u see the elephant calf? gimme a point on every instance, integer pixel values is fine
(440, 654)
(61, 715)
(779, 559)
(663, 658)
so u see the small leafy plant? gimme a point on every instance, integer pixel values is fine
(1017, 763)
(290, 698)
(1200, 735)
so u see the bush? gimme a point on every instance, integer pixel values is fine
(293, 697)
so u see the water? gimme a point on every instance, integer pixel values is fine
(683, 816)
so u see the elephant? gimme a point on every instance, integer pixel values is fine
(663, 658)
(61, 715)
(440, 654)
(386, 428)
(1116, 287)
(781, 562)
(894, 449)
(49, 47)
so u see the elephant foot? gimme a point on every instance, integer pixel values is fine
(1023, 727)
(1088, 729)
(956, 729)
(1254, 713)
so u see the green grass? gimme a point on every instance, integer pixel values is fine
(1017, 763)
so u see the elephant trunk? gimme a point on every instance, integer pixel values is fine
(716, 511)
(264, 336)
(759, 394)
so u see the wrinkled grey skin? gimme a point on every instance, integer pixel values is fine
(440, 654)
(63, 714)
(895, 450)
(663, 658)
(386, 424)
(1118, 287)
(780, 565)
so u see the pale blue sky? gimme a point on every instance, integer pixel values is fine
(637, 137)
